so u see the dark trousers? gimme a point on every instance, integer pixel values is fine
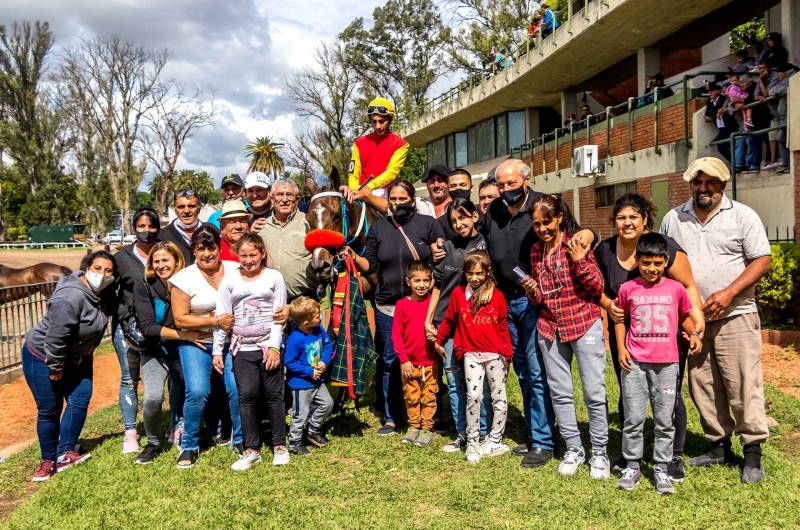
(724, 148)
(391, 385)
(58, 434)
(679, 418)
(253, 382)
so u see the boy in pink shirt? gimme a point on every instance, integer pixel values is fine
(419, 368)
(648, 354)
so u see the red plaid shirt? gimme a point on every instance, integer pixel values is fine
(569, 291)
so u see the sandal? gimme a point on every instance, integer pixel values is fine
(187, 459)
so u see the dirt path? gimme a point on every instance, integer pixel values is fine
(781, 368)
(18, 413)
(23, 258)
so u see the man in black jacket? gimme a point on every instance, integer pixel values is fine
(179, 231)
(717, 113)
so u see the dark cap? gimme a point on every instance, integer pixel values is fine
(785, 67)
(438, 169)
(233, 178)
(774, 35)
(713, 86)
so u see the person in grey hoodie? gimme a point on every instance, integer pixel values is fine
(57, 359)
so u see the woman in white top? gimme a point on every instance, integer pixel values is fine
(194, 302)
(252, 296)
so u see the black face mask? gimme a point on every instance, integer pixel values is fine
(402, 211)
(147, 238)
(512, 197)
(460, 194)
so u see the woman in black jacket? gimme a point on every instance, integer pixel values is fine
(160, 360)
(394, 242)
(130, 262)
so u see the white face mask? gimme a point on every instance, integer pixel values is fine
(190, 226)
(98, 281)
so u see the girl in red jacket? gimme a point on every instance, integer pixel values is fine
(478, 315)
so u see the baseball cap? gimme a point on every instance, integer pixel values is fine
(713, 86)
(233, 178)
(786, 67)
(713, 167)
(257, 178)
(438, 169)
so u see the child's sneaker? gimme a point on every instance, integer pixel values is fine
(130, 443)
(573, 459)
(599, 466)
(629, 479)
(280, 456)
(490, 448)
(175, 436)
(663, 485)
(456, 445)
(316, 438)
(473, 452)
(47, 468)
(749, 124)
(410, 436)
(424, 439)
(299, 450)
(71, 458)
(246, 461)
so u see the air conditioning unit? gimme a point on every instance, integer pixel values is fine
(587, 163)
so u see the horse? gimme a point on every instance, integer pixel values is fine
(42, 274)
(325, 213)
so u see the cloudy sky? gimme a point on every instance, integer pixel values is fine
(243, 48)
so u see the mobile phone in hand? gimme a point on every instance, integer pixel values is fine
(521, 273)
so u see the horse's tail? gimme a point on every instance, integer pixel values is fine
(66, 271)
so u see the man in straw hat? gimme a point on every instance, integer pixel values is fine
(729, 252)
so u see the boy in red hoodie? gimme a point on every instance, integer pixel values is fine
(478, 313)
(418, 367)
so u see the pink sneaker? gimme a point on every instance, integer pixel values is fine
(130, 444)
(71, 458)
(47, 468)
(175, 436)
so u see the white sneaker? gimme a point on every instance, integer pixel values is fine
(490, 448)
(599, 465)
(281, 456)
(473, 452)
(772, 166)
(573, 459)
(246, 461)
(130, 444)
(456, 445)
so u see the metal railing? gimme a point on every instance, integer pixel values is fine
(789, 234)
(21, 308)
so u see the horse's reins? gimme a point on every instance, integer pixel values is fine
(363, 224)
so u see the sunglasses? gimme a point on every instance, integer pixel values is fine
(185, 193)
(378, 109)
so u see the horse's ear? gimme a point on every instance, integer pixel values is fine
(312, 186)
(335, 179)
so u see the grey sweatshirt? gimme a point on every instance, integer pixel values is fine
(72, 327)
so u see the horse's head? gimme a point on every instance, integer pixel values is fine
(325, 219)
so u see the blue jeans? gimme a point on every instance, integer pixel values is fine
(128, 398)
(782, 143)
(748, 151)
(198, 368)
(457, 390)
(391, 384)
(529, 366)
(58, 434)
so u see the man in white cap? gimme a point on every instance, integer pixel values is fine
(234, 222)
(258, 186)
(729, 252)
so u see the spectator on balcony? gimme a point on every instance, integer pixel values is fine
(736, 100)
(761, 52)
(651, 95)
(785, 71)
(500, 61)
(761, 118)
(717, 113)
(536, 25)
(549, 21)
(767, 79)
(573, 124)
(744, 63)
(777, 55)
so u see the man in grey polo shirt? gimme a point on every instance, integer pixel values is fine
(284, 234)
(729, 252)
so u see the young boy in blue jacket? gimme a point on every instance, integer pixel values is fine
(308, 354)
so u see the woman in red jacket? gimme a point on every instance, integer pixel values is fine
(478, 313)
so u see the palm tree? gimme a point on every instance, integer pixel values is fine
(183, 180)
(203, 186)
(157, 192)
(264, 156)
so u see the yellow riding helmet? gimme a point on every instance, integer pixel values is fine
(381, 106)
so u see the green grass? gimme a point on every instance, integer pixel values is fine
(363, 481)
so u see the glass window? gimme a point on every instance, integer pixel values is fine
(484, 140)
(501, 126)
(451, 151)
(472, 155)
(516, 128)
(607, 195)
(437, 152)
(461, 149)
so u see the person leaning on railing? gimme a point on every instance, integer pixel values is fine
(57, 359)
(785, 71)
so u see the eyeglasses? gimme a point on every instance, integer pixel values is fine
(287, 196)
(378, 109)
(185, 193)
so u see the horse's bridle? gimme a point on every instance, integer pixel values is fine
(362, 221)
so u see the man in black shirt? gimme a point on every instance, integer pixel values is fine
(717, 113)
(508, 230)
(179, 231)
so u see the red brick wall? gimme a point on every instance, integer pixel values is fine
(569, 197)
(674, 62)
(679, 190)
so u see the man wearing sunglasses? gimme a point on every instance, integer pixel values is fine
(187, 208)
(377, 157)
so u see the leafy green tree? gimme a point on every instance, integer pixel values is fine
(203, 186)
(183, 179)
(416, 163)
(264, 154)
(160, 193)
(748, 34)
(402, 55)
